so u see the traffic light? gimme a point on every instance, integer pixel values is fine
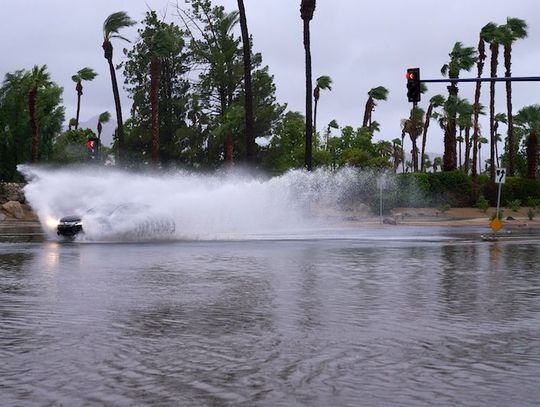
(413, 84)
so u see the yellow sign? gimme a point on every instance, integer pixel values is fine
(496, 225)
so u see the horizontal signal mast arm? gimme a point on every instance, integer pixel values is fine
(504, 79)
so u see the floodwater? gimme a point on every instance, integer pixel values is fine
(377, 317)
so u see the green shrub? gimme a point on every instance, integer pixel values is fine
(514, 205)
(501, 214)
(482, 203)
(530, 213)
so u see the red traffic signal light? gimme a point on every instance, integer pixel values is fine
(413, 84)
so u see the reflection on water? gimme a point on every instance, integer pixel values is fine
(310, 322)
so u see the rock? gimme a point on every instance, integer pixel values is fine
(510, 218)
(10, 191)
(389, 221)
(2, 217)
(14, 209)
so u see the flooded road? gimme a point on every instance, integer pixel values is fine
(420, 318)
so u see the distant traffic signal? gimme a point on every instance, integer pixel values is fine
(413, 84)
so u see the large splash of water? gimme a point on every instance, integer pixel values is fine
(226, 205)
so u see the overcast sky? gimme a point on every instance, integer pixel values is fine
(359, 44)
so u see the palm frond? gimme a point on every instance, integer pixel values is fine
(86, 74)
(115, 22)
(324, 82)
(378, 93)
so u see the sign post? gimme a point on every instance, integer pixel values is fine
(500, 178)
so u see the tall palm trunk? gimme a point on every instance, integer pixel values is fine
(316, 95)
(476, 107)
(424, 135)
(460, 163)
(510, 136)
(479, 158)
(367, 112)
(32, 98)
(155, 70)
(449, 157)
(79, 89)
(108, 52)
(248, 91)
(532, 154)
(403, 150)
(467, 149)
(494, 47)
(309, 125)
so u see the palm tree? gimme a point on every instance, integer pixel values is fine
(460, 140)
(481, 140)
(307, 8)
(514, 29)
(414, 127)
(112, 24)
(403, 132)
(461, 58)
(374, 94)
(324, 83)
(84, 74)
(71, 123)
(332, 125)
(39, 78)
(103, 118)
(528, 118)
(437, 163)
(248, 88)
(499, 118)
(434, 102)
(397, 152)
(161, 45)
(492, 34)
(465, 123)
(476, 106)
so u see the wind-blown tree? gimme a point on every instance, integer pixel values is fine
(323, 83)
(248, 87)
(493, 35)
(111, 26)
(216, 52)
(15, 128)
(332, 125)
(307, 9)
(84, 74)
(397, 153)
(374, 95)
(414, 126)
(528, 118)
(437, 163)
(162, 44)
(465, 123)
(215, 49)
(40, 78)
(435, 102)
(476, 106)
(461, 58)
(151, 50)
(514, 29)
(71, 123)
(103, 118)
(481, 140)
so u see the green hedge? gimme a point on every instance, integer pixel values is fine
(454, 188)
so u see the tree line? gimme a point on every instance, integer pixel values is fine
(202, 98)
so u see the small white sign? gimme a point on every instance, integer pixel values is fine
(500, 175)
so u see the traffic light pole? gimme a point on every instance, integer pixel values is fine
(504, 79)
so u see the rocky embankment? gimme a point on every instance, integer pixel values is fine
(13, 205)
